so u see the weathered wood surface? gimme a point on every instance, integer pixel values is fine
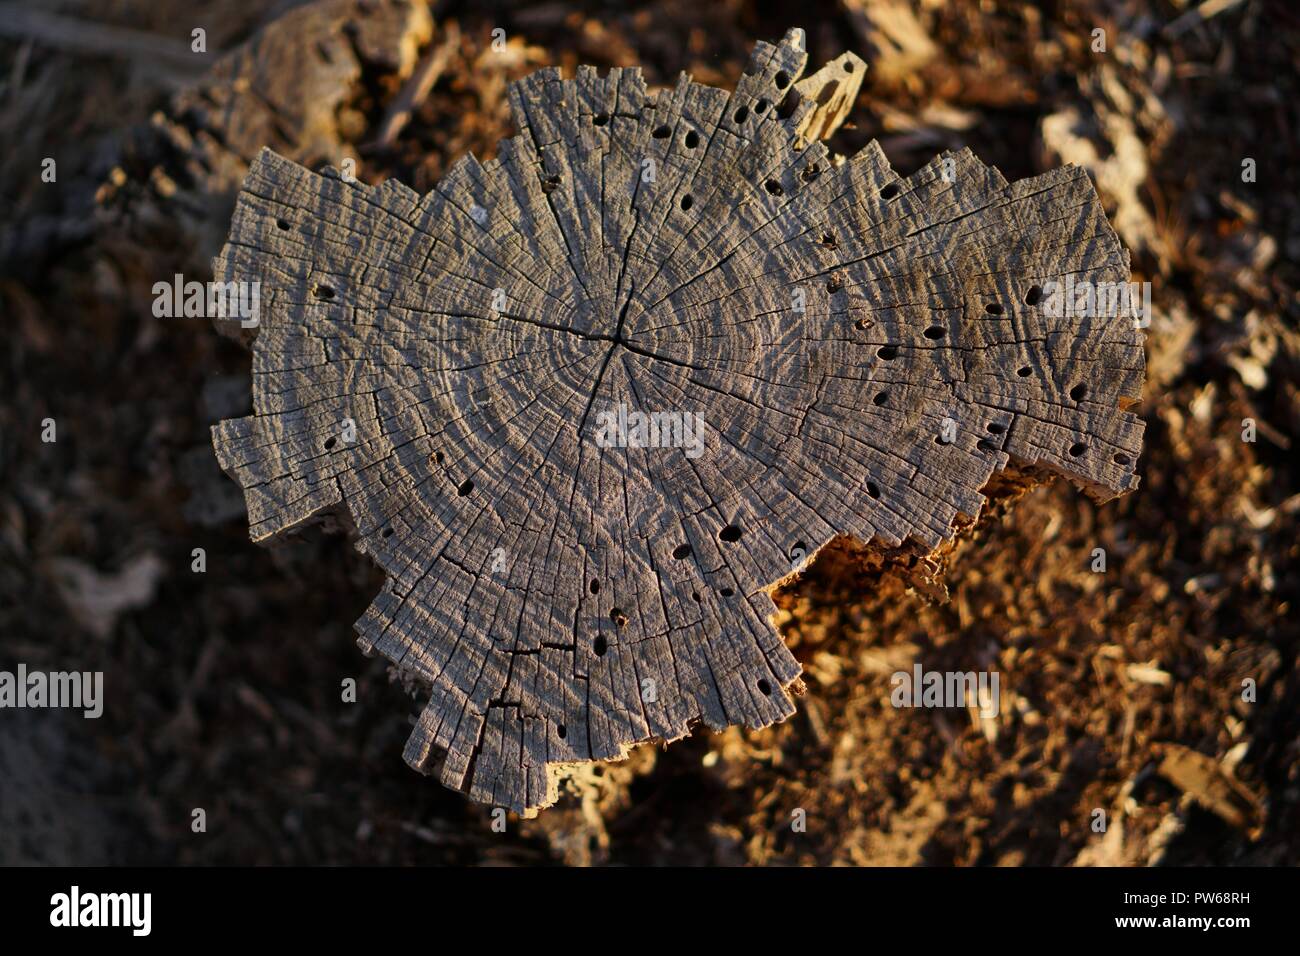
(565, 599)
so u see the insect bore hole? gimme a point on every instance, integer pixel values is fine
(729, 534)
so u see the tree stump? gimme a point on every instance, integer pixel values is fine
(589, 403)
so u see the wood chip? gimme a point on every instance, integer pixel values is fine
(1211, 785)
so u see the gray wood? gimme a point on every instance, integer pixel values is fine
(535, 579)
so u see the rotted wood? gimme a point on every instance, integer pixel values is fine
(833, 353)
(172, 185)
(287, 86)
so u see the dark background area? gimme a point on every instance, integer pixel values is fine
(223, 688)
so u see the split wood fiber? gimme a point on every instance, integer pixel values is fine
(864, 353)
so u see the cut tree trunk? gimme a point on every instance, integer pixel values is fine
(588, 403)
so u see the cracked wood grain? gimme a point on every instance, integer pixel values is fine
(865, 353)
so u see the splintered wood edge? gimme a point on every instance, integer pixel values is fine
(453, 376)
(832, 90)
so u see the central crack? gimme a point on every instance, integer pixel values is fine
(616, 339)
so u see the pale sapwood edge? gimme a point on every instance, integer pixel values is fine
(536, 579)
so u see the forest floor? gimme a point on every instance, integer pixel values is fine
(1125, 691)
